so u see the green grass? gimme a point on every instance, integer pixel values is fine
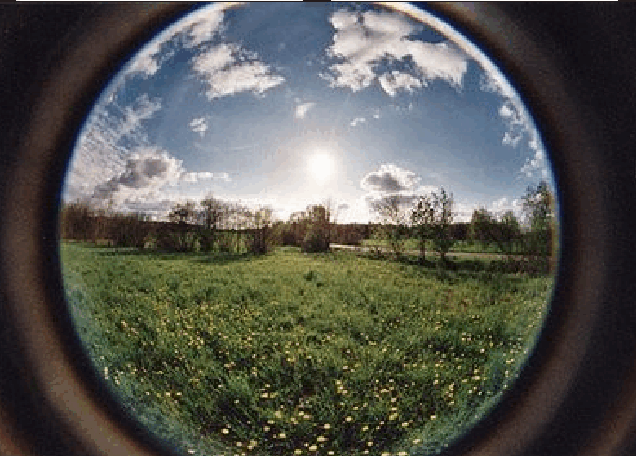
(291, 353)
(458, 246)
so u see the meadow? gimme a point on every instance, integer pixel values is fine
(304, 354)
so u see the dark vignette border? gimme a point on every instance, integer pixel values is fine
(574, 66)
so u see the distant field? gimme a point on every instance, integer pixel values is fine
(291, 354)
(459, 246)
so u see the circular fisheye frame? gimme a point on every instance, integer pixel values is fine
(211, 298)
(242, 190)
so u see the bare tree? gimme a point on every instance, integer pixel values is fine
(318, 228)
(183, 213)
(432, 218)
(393, 221)
(261, 220)
(214, 211)
(443, 207)
(422, 220)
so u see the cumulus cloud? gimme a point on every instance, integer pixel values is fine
(147, 168)
(104, 144)
(502, 205)
(199, 125)
(302, 109)
(357, 120)
(363, 40)
(519, 124)
(391, 82)
(190, 31)
(395, 185)
(228, 69)
(390, 179)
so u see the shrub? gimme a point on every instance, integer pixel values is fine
(316, 240)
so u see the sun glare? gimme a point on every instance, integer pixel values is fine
(321, 167)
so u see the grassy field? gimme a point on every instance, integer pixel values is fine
(288, 353)
(458, 246)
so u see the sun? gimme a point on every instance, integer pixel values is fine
(321, 167)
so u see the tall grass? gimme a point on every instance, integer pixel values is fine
(293, 353)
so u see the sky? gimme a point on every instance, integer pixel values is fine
(290, 104)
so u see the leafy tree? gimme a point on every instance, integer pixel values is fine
(538, 207)
(481, 225)
(506, 232)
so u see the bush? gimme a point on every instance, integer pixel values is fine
(316, 240)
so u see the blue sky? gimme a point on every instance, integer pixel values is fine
(291, 104)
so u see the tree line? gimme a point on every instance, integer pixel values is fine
(214, 225)
(428, 218)
(210, 225)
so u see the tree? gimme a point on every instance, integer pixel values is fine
(261, 227)
(180, 238)
(481, 225)
(443, 209)
(183, 213)
(214, 211)
(506, 232)
(422, 220)
(393, 221)
(539, 212)
(318, 228)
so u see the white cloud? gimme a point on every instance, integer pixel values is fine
(502, 205)
(199, 125)
(100, 153)
(357, 120)
(215, 59)
(362, 40)
(142, 109)
(204, 175)
(390, 179)
(519, 124)
(226, 70)
(302, 109)
(536, 165)
(192, 30)
(395, 80)
(147, 168)
(148, 171)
